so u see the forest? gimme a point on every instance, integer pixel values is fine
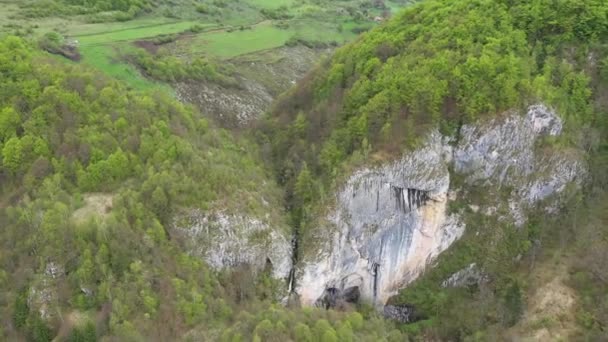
(94, 170)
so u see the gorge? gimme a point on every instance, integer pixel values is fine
(302, 171)
(391, 222)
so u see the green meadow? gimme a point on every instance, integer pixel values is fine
(135, 31)
(236, 29)
(273, 3)
(226, 44)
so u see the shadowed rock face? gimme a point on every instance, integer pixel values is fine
(334, 298)
(390, 222)
(400, 313)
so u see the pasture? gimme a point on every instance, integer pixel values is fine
(223, 33)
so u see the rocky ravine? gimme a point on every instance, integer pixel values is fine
(389, 223)
(261, 77)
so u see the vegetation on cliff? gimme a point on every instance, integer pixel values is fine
(443, 64)
(437, 64)
(91, 173)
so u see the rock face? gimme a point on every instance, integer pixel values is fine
(468, 276)
(390, 222)
(229, 240)
(502, 153)
(42, 295)
(402, 313)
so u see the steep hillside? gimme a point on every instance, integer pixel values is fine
(440, 65)
(102, 191)
(473, 126)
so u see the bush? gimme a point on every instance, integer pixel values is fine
(202, 8)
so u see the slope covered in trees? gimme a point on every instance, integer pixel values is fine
(91, 176)
(68, 134)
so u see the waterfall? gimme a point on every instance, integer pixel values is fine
(294, 260)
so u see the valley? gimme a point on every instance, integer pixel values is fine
(303, 170)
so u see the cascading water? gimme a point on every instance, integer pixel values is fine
(294, 261)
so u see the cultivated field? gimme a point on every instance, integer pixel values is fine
(218, 30)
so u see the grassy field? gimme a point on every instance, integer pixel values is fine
(237, 29)
(106, 58)
(272, 3)
(103, 48)
(226, 44)
(99, 47)
(134, 31)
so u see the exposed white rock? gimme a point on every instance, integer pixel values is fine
(389, 223)
(229, 240)
(42, 299)
(468, 276)
(502, 153)
(53, 270)
(42, 293)
(544, 120)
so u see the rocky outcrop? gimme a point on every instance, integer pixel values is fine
(468, 276)
(502, 154)
(400, 313)
(42, 296)
(390, 222)
(229, 240)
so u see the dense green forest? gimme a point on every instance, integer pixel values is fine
(92, 173)
(67, 131)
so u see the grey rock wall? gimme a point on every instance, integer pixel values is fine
(390, 222)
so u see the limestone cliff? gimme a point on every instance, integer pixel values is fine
(390, 222)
